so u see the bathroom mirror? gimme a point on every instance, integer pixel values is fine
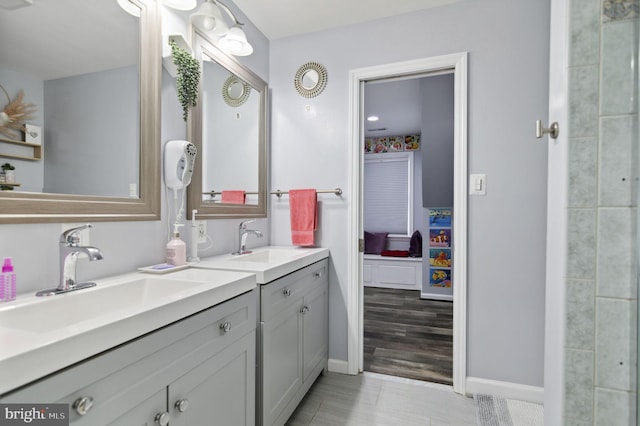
(93, 72)
(230, 132)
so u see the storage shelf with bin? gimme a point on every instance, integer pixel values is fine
(36, 150)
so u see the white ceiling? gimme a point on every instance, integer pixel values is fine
(283, 18)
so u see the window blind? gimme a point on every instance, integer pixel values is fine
(387, 194)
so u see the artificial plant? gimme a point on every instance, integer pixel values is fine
(188, 77)
(15, 114)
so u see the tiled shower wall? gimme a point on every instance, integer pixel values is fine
(601, 288)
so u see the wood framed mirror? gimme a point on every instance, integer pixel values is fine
(110, 174)
(231, 137)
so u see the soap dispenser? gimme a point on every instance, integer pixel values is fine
(7, 281)
(176, 248)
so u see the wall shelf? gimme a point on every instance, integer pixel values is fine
(37, 150)
(12, 185)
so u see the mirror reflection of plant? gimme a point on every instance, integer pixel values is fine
(188, 77)
(7, 166)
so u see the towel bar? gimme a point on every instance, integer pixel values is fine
(279, 194)
(337, 191)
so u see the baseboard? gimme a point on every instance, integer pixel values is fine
(338, 366)
(505, 389)
(435, 296)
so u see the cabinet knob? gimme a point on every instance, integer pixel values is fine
(162, 418)
(286, 292)
(182, 405)
(83, 405)
(226, 327)
(317, 274)
(305, 309)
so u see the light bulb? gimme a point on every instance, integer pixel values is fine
(209, 23)
(234, 46)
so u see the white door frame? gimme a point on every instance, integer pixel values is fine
(557, 202)
(456, 62)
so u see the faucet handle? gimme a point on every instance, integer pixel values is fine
(243, 224)
(71, 237)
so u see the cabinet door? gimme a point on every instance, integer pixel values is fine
(282, 360)
(144, 414)
(220, 391)
(315, 329)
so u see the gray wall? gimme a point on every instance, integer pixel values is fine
(91, 123)
(507, 43)
(437, 141)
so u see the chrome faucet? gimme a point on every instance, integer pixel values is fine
(70, 250)
(242, 236)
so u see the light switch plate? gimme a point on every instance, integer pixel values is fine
(478, 184)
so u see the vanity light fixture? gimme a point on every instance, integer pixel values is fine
(132, 9)
(129, 7)
(208, 18)
(181, 4)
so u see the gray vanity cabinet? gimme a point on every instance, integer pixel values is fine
(218, 390)
(293, 340)
(197, 371)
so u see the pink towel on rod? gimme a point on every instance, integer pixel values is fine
(303, 205)
(233, 197)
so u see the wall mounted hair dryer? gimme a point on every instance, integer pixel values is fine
(179, 159)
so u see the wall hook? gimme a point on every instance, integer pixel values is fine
(552, 131)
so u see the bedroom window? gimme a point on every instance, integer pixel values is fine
(388, 193)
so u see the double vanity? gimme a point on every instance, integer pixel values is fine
(232, 340)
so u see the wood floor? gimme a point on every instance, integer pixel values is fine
(408, 337)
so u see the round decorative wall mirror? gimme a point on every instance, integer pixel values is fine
(311, 79)
(235, 91)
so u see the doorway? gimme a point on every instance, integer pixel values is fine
(408, 178)
(457, 64)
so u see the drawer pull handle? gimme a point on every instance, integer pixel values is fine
(286, 292)
(226, 327)
(182, 405)
(305, 309)
(83, 405)
(162, 418)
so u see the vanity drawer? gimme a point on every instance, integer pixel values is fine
(122, 378)
(279, 294)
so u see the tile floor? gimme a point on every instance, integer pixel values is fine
(371, 399)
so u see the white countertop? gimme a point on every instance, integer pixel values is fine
(268, 263)
(40, 335)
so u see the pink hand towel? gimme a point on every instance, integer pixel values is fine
(233, 197)
(303, 204)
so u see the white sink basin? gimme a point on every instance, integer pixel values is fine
(84, 305)
(41, 335)
(268, 263)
